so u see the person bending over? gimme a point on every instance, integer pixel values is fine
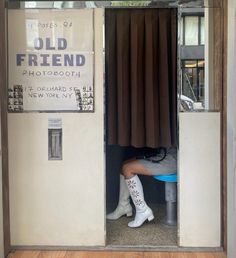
(165, 162)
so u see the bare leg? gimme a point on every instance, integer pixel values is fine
(134, 167)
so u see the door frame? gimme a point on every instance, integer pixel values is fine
(4, 130)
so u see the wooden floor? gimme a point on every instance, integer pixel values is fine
(110, 254)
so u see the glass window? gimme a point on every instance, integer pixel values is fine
(200, 63)
(193, 80)
(202, 40)
(31, 4)
(190, 63)
(201, 77)
(191, 30)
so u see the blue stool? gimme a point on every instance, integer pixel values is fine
(170, 197)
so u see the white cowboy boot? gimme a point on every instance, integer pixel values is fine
(143, 212)
(124, 207)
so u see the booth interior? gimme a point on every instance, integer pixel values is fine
(141, 104)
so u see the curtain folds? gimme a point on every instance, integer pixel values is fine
(141, 61)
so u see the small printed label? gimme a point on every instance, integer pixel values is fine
(54, 123)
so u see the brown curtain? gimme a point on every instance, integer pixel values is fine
(141, 77)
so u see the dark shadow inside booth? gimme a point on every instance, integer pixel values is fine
(115, 156)
(140, 69)
(154, 233)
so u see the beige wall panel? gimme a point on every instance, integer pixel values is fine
(59, 202)
(199, 180)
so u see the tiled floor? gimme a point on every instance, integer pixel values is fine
(152, 233)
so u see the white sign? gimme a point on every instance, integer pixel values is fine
(51, 59)
(54, 123)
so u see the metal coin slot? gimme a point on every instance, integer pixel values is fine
(55, 144)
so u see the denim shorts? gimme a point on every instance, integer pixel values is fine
(167, 166)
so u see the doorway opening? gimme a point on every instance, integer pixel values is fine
(141, 112)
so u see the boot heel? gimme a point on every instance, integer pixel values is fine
(151, 217)
(129, 214)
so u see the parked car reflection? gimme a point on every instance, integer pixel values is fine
(187, 104)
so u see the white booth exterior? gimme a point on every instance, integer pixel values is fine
(62, 203)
